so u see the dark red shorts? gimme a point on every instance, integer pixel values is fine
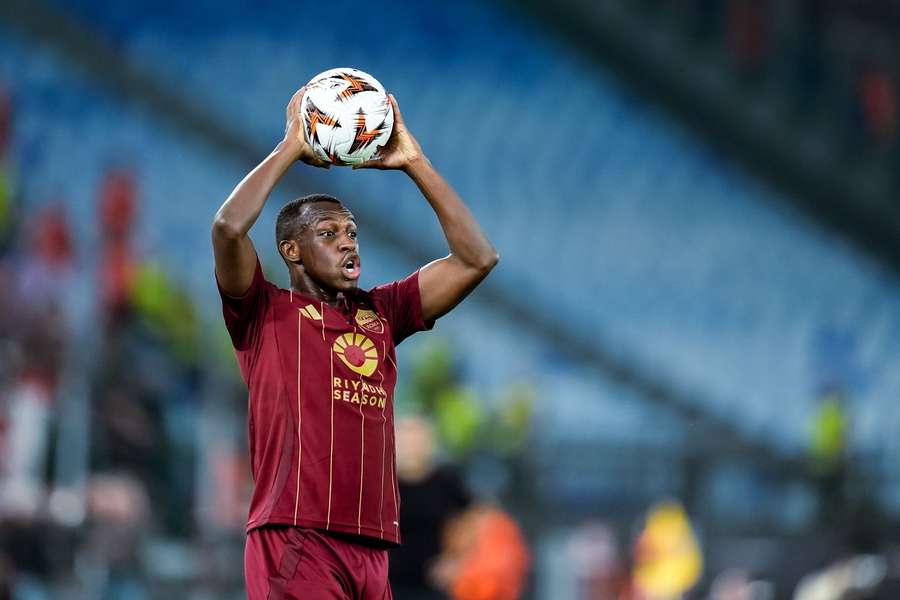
(295, 563)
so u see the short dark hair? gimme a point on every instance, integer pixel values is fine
(290, 221)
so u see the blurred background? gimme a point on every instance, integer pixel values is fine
(681, 381)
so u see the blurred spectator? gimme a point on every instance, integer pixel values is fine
(128, 429)
(600, 572)
(856, 577)
(165, 309)
(484, 556)
(7, 218)
(52, 240)
(230, 473)
(34, 320)
(6, 184)
(828, 441)
(22, 485)
(45, 270)
(668, 561)
(116, 213)
(828, 453)
(432, 494)
(119, 512)
(736, 584)
(128, 434)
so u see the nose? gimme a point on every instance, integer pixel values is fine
(347, 243)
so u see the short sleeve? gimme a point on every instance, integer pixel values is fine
(400, 303)
(243, 314)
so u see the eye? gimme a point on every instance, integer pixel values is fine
(326, 233)
(352, 235)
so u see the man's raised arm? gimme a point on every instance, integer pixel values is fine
(234, 252)
(444, 282)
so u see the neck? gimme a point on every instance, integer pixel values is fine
(303, 284)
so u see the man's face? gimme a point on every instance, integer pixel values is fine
(328, 245)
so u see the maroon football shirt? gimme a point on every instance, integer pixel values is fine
(321, 383)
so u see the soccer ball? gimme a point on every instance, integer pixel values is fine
(347, 116)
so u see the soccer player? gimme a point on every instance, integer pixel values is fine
(320, 366)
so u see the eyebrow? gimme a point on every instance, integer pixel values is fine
(322, 220)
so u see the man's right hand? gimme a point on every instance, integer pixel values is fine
(295, 133)
(235, 255)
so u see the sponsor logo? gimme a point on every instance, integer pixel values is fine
(357, 352)
(358, 392)
(309, 311)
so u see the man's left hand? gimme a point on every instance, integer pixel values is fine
(401, 152)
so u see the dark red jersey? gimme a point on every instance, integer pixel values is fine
(321, 381)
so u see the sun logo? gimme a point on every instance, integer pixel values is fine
(357, 352)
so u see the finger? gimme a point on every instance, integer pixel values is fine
(376, 161)
(321, 163)
(398, 118)
(303, 135)
(311, 159)
(293, 106)
(372, 163)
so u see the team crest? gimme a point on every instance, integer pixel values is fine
(357, 352)
(369, 321)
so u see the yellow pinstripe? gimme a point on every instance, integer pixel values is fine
(331, 450)
(383, 448)
(299, 420)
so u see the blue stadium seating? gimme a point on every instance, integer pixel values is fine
(602, 208)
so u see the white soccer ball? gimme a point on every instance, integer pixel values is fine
(347, 116)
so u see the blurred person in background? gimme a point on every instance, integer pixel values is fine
(116, 213)
(601, 573)
(857, 577)
(736, 584)
(35, 323)
(667, 558)
(432, 495)
(325, 508)
(128, 432)
(8, 208)
(484, 556)
(828, 453)
(108, 561)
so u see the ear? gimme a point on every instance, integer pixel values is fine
(290, 250)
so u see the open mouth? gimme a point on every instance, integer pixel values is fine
(350, 268)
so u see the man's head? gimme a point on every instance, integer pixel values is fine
(316, 235)
(415, 447)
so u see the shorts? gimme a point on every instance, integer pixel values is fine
(297, 563)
